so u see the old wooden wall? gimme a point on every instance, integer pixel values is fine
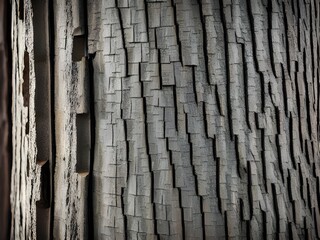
(169, 119)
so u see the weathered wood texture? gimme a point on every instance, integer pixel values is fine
(173, 119)
(4, 120)
(207, 119)
(25, 184)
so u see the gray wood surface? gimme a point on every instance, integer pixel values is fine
(194, 120)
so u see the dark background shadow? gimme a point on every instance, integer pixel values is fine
(5, 126)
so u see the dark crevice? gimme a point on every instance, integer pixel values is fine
(43, 205)
(218, 183)
(270, 93)
(226, 230)
(264, 225)
(145, 114)
(202, 218)
(294, 211)
(318, 191)
(146, 18)
(270, 13)
(276, 209)
(7, 130)
(43, 112)
(309, 196)
(45, 194)
(154, 212)
(284, 91)
(315, 222)
(125, 218)
(262, 92)
(205, 41)
(312, 146)
(25, 85)
(174, 184)
(293, 7)
(52, 101)
(25, 91)
(175, 103)
(214, 148)
(83, 143)
(194, 82)
(301, 182)
(182, 215)
(79, 47)
(278, 121)
(255, 59)
(307, 152)
(21, 9)
(176, 24)
(42, 74)
(195, 177)
(90, 122)
(125, 129)
(92, 145)
(205, 120)
(280, 160)
(250, 196)
(290, 194)
(237, 151)
(241, 206)
(256, 120)
(291, 142)
(263, 159)
(290, 230)
(299, 109)
(123, 38)
(306, 230)
(160, 69)
(248, 230)
(219, 104)
(226, 55)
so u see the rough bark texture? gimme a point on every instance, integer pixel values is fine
(25, 184)
(173, 119)
(4, 121)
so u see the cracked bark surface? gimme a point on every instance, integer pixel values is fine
(170, 119)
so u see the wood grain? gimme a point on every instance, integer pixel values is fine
(201, 120)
